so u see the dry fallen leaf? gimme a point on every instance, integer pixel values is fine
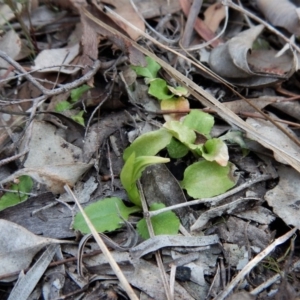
(18, 246)
(10, 43)
(51, 160)
(214, 15)
(124, 9)
(276, 136)
(46, 59)
(240, 65)
(284, 14)
(284, 198)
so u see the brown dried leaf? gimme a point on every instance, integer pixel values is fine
(124, 9)
(214, 15)
(200, 26)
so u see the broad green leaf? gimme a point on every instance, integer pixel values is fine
(159, 89)
(62, 106)
(132, 171)
(77, 93)
(206, 179)
(181, 132)
(150, 71)
(149, 143)
(216, 150)
(164, 223)
(79, 118)
(200, 122)
(176, 149)
(104, 215)
(178, 91)
(11, 199)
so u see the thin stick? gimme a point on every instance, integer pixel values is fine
(212, 200)
(56, 91)
(253, 263)
(104, 249)
(151, 233)
(189, 26)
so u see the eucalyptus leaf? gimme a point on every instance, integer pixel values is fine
(159, 89)
(206, 179)
(13, 198)
(149, 143)
(164, 223)
(150, 71)
(199, 121)
(104, 215)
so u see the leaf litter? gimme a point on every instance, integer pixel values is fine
(222, 202)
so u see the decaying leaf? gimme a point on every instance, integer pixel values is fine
(18, 246)
(51, 159)
(10, 43)
(124, 9)
(272, 133)
(52, 59)
(236, 62)
(26, 284)
(162, 241)
(285, 197)
(284, 14)
(214, 15)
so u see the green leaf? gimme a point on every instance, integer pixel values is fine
(149, 143)
(79, 118)
(206, 179)
(62, 106)
(176, 149)
(178, 91)
(77, 93)
(159, 89)
(181, 132)
(104, 215)
(11, 199)
(200, 122)
(164, 223)
(127, 181)
(132, 171)
(216, 150)
(150, 71)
